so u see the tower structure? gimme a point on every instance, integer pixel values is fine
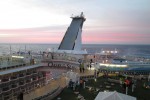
(72, 38)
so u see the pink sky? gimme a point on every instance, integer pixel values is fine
(108, 21)
(41, 35)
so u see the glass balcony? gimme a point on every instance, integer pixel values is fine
(5, 89)
(13, 77)
(21, 83)
(14, 86)
(4, 80)
(21, 75)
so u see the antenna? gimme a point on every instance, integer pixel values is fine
(10, 49)
(71, 15)
(81, 14)
(25, 48)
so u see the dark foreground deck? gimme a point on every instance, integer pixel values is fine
(93, 87)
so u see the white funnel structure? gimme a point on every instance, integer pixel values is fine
(72, 39)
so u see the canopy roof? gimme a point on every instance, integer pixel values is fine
(113, 96)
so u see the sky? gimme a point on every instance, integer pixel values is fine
(46, 21)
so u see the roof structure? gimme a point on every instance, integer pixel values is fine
(113, 96)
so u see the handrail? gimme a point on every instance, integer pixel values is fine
(21, 85)
(48, 94)
(17, 78)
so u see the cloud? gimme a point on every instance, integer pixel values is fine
(108, 21)
(16, 15)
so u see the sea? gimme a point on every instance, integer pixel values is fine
(124, 49)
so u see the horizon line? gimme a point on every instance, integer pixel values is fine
(82, 44)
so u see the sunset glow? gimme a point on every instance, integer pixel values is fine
(46, 21)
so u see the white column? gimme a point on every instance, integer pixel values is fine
(84, 85)
(132, 87)
(126, 90)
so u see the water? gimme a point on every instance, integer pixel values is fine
(138, 50)
(13, 48)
